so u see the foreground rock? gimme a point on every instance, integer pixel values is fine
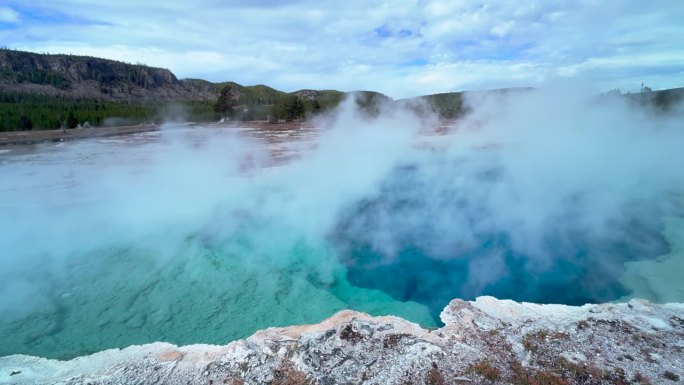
(486, 341)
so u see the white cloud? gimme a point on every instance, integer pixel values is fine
(503, 29)
(8, 15)
(404, 49)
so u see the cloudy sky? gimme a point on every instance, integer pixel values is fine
(402, 48)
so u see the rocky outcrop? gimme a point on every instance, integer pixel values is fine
(307, 94)
(485, 341)
(81, 76)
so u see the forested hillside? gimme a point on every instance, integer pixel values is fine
(51, 91)
(89, 77)
(63, 91)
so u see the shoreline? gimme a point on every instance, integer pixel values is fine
(10, 138)
(483, 341)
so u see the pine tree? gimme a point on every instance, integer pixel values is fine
(224, 103)
(71, 121)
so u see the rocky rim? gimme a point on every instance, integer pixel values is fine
(486, 341)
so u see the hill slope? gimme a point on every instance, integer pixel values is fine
(51, 91)
(89, 77)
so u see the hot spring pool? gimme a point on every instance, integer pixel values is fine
(172, 237)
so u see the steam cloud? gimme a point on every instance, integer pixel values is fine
(537, 195)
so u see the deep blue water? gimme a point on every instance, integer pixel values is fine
(422, 239)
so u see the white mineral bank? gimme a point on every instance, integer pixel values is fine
(660, 280)
(628, 339)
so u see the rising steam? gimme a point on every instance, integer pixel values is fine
(534, 195)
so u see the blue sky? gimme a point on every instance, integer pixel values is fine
(402, 48)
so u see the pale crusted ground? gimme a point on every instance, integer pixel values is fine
(59, 135)
(659, 280)
(487, 341)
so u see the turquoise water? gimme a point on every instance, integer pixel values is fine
(206, 236)
(123, 296)
(186, 240)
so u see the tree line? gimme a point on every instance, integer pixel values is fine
(21, 111)
(260, 102)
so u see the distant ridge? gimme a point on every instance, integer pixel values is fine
(56, 90)
(91, 77)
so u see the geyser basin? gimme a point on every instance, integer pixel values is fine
(183, 236)
(205, 235)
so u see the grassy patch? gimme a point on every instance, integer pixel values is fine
(533, 341)
(485, 370)
(434, 376)
(671, 376)
(287, 374)
(524, 376)
(641, 379)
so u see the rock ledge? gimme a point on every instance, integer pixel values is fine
(484, 341)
